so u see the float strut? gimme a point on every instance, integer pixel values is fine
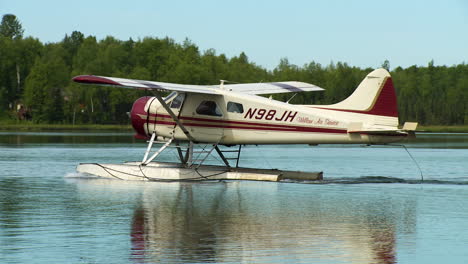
(150, 145)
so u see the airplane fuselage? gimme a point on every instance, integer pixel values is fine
(232, 118)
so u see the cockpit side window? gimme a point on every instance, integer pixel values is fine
(177, 102)
(235, 107)
(208, 108)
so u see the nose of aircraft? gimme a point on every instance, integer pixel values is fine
(139, 117)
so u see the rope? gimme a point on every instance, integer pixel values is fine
(414, 160)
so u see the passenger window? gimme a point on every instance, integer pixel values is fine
(235, 107)
(177, 102)
(208, 108)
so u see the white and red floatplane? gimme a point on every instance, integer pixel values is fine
(235, 115)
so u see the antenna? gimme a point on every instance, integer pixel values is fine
(221, 86)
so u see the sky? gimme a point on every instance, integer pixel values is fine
(362, 33)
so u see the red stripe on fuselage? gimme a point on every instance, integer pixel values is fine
(253, 125)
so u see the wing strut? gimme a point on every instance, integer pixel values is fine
(169, 110)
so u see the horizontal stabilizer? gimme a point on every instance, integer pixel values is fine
(382, 132)
(408, 128)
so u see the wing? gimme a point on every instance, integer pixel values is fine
(245, 88)
(272, 87)
(144, 85)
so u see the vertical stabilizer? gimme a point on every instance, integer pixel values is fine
(375, 95)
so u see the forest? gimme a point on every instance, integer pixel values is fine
(36, 86)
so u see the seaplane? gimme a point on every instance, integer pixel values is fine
(203, 120)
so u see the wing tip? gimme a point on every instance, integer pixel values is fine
(92, 79)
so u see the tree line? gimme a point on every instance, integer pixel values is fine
(35, 78)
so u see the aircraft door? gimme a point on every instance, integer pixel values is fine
(206, 113)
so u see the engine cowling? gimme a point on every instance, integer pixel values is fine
(140, 117)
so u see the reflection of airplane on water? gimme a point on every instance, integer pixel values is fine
(214, 222)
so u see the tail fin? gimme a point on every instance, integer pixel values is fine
(375, 95)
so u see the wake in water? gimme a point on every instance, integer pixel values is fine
(384, 179)
(351, 180)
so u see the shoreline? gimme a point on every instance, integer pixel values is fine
(61, 127)
(443, 129)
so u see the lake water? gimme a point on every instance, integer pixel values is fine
(371, 208)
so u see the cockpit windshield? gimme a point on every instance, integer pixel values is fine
(170, 96)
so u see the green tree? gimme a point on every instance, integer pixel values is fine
(386, 65)
(11, 27)
(71, 44)
(213, 67)
(45, 84)
(17, 55)
(7, 70)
